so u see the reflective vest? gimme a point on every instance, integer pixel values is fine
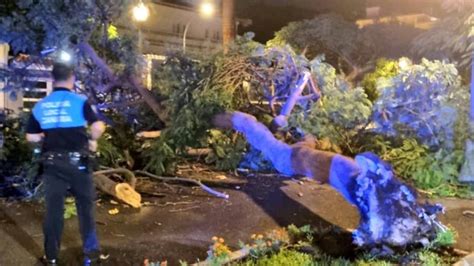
(60, 109)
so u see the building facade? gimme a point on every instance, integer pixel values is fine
(163, 32)
(419, 21)
(173, 27)
(38, 85)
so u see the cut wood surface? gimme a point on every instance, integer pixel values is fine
(149, 134)
(124, 192)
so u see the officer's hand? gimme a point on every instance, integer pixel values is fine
(92, 145)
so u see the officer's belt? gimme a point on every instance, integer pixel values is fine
(65, 154)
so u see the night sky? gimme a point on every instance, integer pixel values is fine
(269, 16)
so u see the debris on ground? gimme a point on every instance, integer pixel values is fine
(114, 211)
(468, 214)
(221, 177)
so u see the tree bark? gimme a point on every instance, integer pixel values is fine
(366, 182)
(467, 171)
(296, 95)
(147, 96)
(472, 88)
(228, 23)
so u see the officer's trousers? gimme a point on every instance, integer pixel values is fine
(61, 175)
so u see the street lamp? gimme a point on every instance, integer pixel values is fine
(140, 14)
(65, 56)
(206, 10)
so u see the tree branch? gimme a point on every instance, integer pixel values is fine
(186, 180)
(87, 49)
(148, 97)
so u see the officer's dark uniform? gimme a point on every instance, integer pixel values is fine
(63, 116)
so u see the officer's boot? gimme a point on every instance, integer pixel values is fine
(48, 262)
(95, 259)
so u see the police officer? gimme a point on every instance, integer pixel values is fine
(60, 122)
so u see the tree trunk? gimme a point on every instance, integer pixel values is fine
(228, 23)
(472, 89)
(147, 96)
(124, 192)
(365, 182)
(296, 95)
(467, 171)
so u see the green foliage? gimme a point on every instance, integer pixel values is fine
(70, 208)
(196, 92)
(295, 258)
(177, 79)
(436, 173)
(16, 152)
(83, 28)
(391, 40)
(227, 150)
(341, 113)
(416, 103)
(112, 32)
(164, 263)
(118, 146)
(384, 69)
(440, 177)
(370, 262)
(326, 34)
(446, 238)
(218, 252)
(160, 157)
(283, 258)
(284, 247)
(108, 153)
(459, 99)
(245, 45)
(301, 235)
(408, 158)
(35, 25)
(430, 258)
(452, 36)
(262, 245)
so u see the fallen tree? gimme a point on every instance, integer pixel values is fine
(390, 215)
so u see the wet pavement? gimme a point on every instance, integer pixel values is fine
(179, 224)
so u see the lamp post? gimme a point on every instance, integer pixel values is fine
(206, 10)
(140, 14)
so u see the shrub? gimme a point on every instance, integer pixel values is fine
(408, 158)
(15, 154)
(446, 238)
(384, 69)
(417, 103)
(283, 258)
(433, 172)
(118, 147)
(341, 113)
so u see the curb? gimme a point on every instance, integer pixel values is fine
(466, 261)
